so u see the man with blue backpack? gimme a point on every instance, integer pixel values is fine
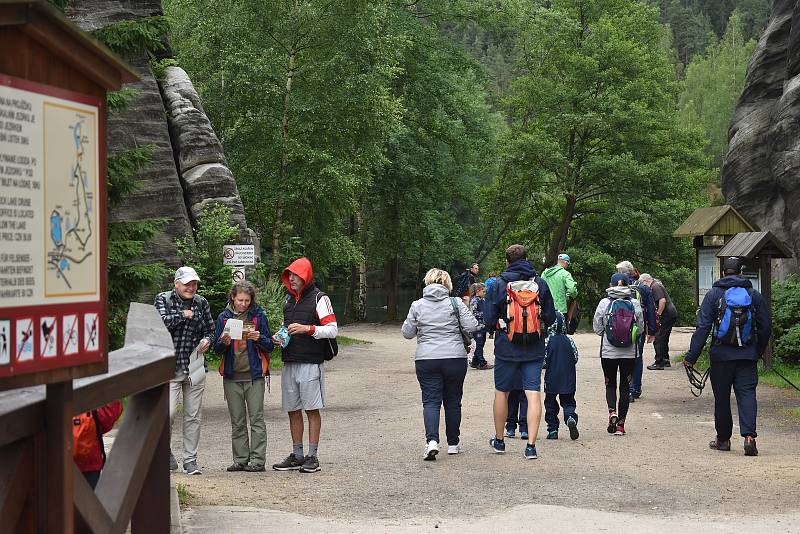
(740, 325)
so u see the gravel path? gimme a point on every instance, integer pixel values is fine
(660, 476)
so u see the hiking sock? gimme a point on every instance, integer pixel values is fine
(297, 450)
(312, 449)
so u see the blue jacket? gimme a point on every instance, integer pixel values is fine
(708, 316)
(257, 315)
(494, 310)
(648, 307)
(561, 357)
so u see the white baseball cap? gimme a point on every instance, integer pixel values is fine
(184, 275)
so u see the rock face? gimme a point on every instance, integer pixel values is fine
(761, 174)
(198, 152)
(187, 166)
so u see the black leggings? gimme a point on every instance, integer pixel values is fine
(625, 366)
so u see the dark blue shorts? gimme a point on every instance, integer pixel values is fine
(510, 375)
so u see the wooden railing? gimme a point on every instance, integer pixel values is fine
(41, 488)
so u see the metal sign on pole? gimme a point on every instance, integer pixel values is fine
(239, 254)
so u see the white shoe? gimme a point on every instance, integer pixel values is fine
(431, 450)
(455, 449)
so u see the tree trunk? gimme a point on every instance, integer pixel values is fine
(350, 310)
(390, 283)
(560, 237)
(361, 312)
(276, 230)
(420, 276)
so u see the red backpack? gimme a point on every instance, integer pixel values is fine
(86, 438)
(523, 312)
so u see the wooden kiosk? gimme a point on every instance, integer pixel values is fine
(711, 228)
(53, 292)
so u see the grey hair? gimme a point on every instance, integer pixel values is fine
(644, 277)
(625, 267)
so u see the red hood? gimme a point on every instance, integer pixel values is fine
(302, 268)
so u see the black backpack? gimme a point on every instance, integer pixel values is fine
(462, 285)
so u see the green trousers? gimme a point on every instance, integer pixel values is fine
(247, 398)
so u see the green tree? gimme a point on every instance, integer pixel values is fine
(713, 84)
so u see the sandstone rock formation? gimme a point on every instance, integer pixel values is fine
(198, 151)
(761, 173)
(187, 166)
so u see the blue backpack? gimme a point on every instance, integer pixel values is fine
(621, 323)
(734, 325)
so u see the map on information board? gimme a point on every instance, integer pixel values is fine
(70, 200)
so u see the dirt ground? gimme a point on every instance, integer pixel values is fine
(373, 476)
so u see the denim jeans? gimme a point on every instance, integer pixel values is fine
(442, 383)
(638, 365)
(480, 341)
(517, 410)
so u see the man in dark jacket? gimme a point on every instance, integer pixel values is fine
(732, 364)
(517, 361)
(308, 316)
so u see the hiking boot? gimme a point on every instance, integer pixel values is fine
(530, 452)
(486, 366)
(191, 468)
(552, 434)
(718, 445)
(523, 434)
(455, 449)
(510, 433)
(310, 465)
(173, 463)
(431, 451)
(497, 445)
(254, 468)
(750, 446)
(236, 467)
(620, 429)
(612, 422)
(666, 363)
(290, 463)
(656, 366)
(572, 424)
(635, 394)
(473, 364)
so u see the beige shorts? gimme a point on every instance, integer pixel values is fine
(302, 386)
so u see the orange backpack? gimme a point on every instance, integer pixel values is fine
(86, 437)
(523, 312)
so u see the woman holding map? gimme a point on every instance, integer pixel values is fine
(244, 341)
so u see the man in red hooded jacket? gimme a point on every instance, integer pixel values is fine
(308, 316)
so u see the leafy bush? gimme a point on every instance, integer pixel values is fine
(786, 319)
(204, 253)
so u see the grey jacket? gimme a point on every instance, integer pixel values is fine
(433, 320)
(607, 350)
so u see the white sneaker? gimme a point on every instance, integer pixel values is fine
(431, 450)
(455, 449)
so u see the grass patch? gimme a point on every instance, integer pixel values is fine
(345, 341)
(794, 413)
(185, 497)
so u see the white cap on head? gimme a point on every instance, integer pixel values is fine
(184, 275)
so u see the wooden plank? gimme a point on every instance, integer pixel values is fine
(152, 512)
(122, 478)
(16, 480)
(58, 415)
(92, 513)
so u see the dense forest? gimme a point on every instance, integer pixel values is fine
(383, 137)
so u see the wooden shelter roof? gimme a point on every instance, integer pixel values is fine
(751, 244)
(716, 220)
(47, 25)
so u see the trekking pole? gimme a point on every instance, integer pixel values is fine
(784, 378)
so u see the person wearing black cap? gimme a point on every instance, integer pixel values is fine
(740, 323)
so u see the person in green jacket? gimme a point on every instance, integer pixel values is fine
(561, 283)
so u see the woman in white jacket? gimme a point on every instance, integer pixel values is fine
(441, 359)
(618, 331)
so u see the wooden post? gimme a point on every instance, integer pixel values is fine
(59, 493)
(766, 292)
(152, 512)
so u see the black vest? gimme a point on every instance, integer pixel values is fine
(303, 348)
